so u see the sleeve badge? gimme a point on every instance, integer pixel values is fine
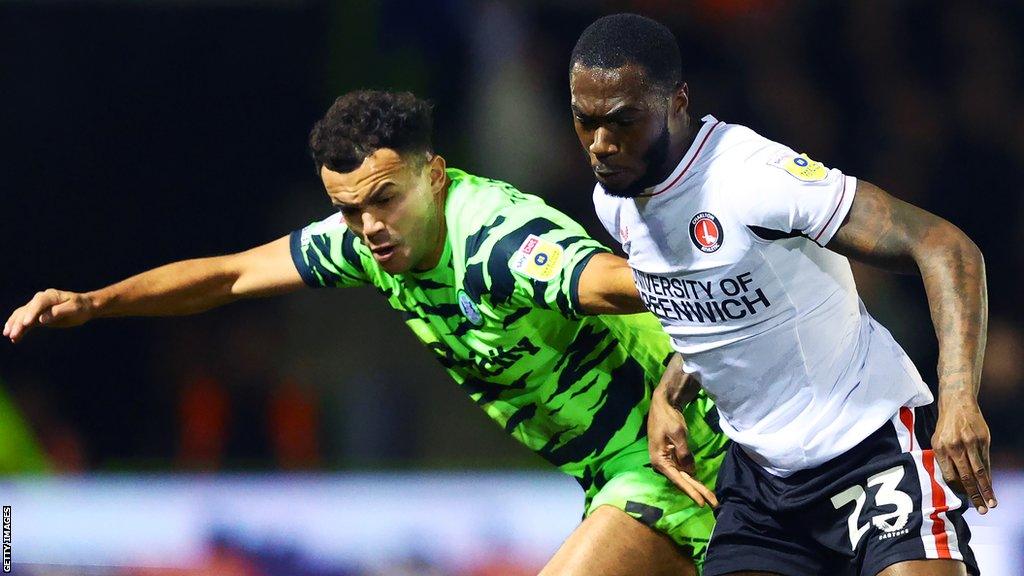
(801, 167)
(537, 258)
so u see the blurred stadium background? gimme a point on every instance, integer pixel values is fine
(311, 434)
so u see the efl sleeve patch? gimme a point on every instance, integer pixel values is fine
(537, 258)
(801, 167)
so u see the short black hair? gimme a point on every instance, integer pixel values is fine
(363, 121)
(620, 39)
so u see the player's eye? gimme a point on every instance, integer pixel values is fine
(383, 201)
(585, 122)
(347, 211)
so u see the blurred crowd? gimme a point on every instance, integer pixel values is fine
(193, 144)
(225, 555)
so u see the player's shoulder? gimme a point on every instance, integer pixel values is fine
(475, 201)
(745, 163)
(735, 149)
(481, 209)
(499, 232)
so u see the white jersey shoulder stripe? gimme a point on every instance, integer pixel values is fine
(842, 196)
(665, 187)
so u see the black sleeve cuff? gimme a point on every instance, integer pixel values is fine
(574, 280)
(295, 243)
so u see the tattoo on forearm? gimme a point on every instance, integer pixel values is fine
(954, 277)
(891, 234)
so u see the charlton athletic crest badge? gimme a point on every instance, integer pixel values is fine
(706, 232)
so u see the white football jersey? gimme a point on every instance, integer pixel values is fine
(728, 253)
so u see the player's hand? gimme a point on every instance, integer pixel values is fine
(961, 444)
(55, 308)
(669, 450)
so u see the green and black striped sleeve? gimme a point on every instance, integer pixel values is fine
(534, 257)
(328, 255)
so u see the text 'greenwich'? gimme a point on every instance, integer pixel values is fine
(702, 301)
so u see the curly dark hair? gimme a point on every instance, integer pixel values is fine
(360, 122)
(620, 39)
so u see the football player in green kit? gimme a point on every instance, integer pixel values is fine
(505, 290)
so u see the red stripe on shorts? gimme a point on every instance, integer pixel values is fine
(939, 505)
(907, 417)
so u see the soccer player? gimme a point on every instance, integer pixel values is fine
(831, 470)
(503, 289)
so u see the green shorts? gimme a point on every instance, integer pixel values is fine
(634, 487)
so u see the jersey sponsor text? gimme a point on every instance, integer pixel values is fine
(700, 301)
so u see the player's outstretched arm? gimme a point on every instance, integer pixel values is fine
(667, 432)
(892, 234)
(184, 287)
(607, 287)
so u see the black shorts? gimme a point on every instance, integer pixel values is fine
(880, 503)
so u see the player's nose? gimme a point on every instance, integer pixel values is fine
(374, 231)
(603, 144)
(371, 224)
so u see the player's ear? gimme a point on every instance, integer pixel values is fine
(680, 99)
(436, 165)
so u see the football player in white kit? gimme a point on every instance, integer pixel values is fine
(739, 245)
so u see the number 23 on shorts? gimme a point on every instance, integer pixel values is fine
(893, 523)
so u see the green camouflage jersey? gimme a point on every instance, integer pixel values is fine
(501, 313)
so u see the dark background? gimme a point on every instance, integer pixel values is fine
(134, 134)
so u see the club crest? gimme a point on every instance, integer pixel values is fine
(469, 309)
(706, 232)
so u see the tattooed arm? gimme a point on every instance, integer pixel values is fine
(886, 232)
